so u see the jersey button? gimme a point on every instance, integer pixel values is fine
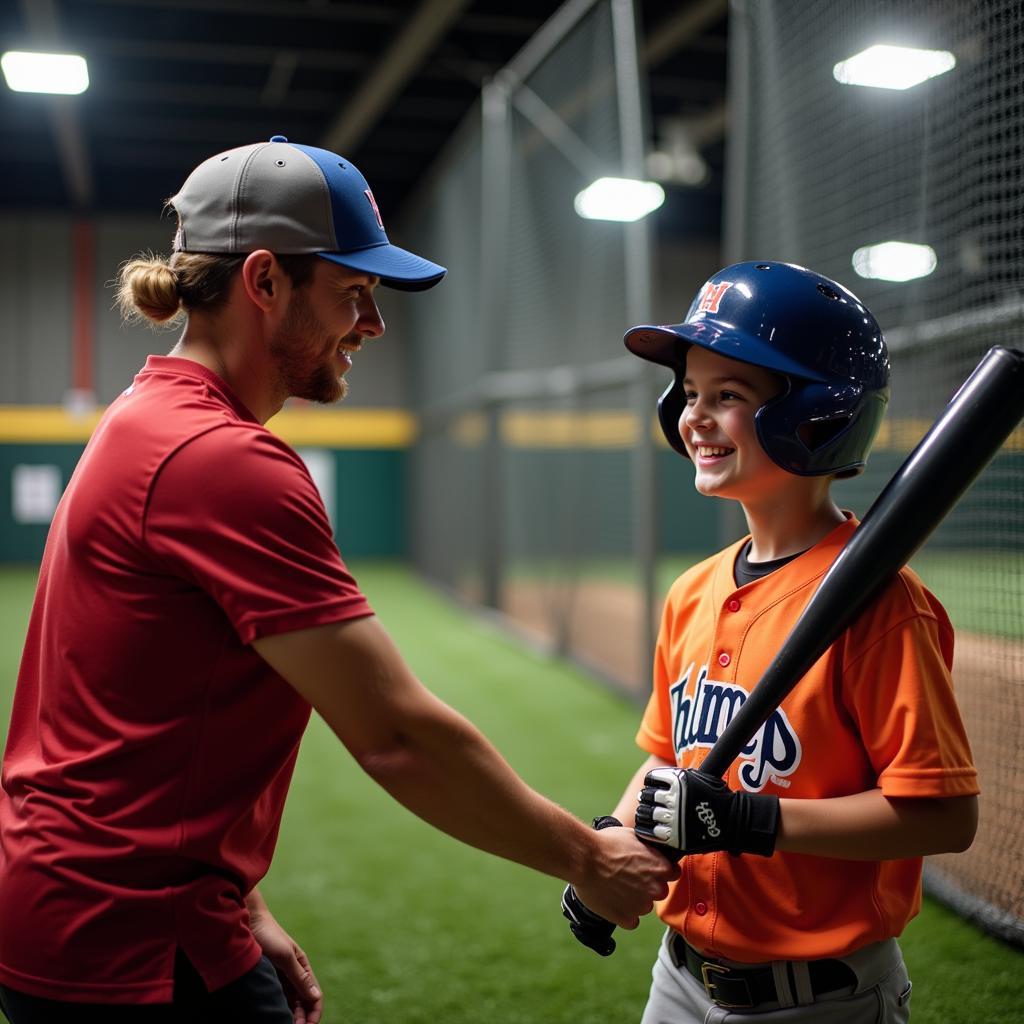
(700, 908)
(724, 659)
(733, 605)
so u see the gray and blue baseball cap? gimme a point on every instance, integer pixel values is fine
(288, 198)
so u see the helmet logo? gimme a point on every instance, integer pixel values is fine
(711, 296)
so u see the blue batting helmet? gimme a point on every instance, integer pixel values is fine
(814, 332)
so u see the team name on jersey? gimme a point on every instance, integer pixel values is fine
(700, 713)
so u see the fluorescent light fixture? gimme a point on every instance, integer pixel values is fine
(621, 199)
(64, 73)
(893, 67)
(894, 261)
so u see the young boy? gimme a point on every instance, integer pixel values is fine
(803, 865)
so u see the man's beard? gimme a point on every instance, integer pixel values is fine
(303, 369)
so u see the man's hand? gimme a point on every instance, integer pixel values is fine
(698, 813)
(624, 878)
(290, 962)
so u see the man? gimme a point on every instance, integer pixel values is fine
(192, 608)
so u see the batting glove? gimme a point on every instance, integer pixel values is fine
(589, 928)
(698, 813)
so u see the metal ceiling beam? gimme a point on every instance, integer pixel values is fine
(710, 126)
(683, 29)
(127, 93)
(392, 72)
(44, 31)
(490, 24)
(279, 81)
(367, 13)
(251, 53)
(664, 40)
(678, 30)
(171, 129)
(216, 53)
(124, 94)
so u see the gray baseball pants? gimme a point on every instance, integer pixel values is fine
(880, 996)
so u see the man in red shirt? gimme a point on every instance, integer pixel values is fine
(192, 608)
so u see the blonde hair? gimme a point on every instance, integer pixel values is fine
(164, 291)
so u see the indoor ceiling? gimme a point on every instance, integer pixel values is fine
(386, 83)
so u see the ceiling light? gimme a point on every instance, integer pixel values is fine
(65, 73)
(622, 199)
(894, 261)
(893, 67)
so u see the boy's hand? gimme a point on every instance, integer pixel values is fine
(698, 813)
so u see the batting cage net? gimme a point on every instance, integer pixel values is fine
(541, 490)
(823, 173)
(531, 453)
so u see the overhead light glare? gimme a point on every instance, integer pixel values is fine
(893, 67)
(894, 261)
(622, 199)
(63, 73)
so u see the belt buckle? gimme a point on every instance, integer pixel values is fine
(710, 985)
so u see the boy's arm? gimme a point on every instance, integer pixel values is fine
(871, 826)
(698, 813)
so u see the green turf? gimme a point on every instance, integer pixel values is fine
(405, 926)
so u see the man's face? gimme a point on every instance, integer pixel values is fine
(323, 328)
(717, 427)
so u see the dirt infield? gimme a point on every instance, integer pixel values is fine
(599, 623)
(989, 678)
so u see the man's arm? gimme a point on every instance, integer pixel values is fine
(437, 764)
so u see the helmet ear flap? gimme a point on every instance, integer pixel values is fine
(821, 429)
(670, 410)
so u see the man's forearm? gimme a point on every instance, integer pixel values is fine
(446, 772)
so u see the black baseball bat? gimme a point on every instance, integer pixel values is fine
(960, 444)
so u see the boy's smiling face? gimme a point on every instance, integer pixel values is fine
(717, 426)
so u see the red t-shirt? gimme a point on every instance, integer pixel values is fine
(150, 747)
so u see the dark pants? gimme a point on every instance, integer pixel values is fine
(254, 998)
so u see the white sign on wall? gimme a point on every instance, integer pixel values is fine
(35, 491)
(320, 463)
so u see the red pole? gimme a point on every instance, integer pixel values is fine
(83, 331)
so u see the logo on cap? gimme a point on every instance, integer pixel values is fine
(711, 296)
(373, 204)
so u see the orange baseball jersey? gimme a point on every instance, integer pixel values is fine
(875, 711)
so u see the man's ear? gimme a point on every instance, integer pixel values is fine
(263, 280)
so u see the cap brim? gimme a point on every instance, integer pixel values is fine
(666, 345)
(396, 268)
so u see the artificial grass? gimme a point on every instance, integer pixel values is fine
(405, 926)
